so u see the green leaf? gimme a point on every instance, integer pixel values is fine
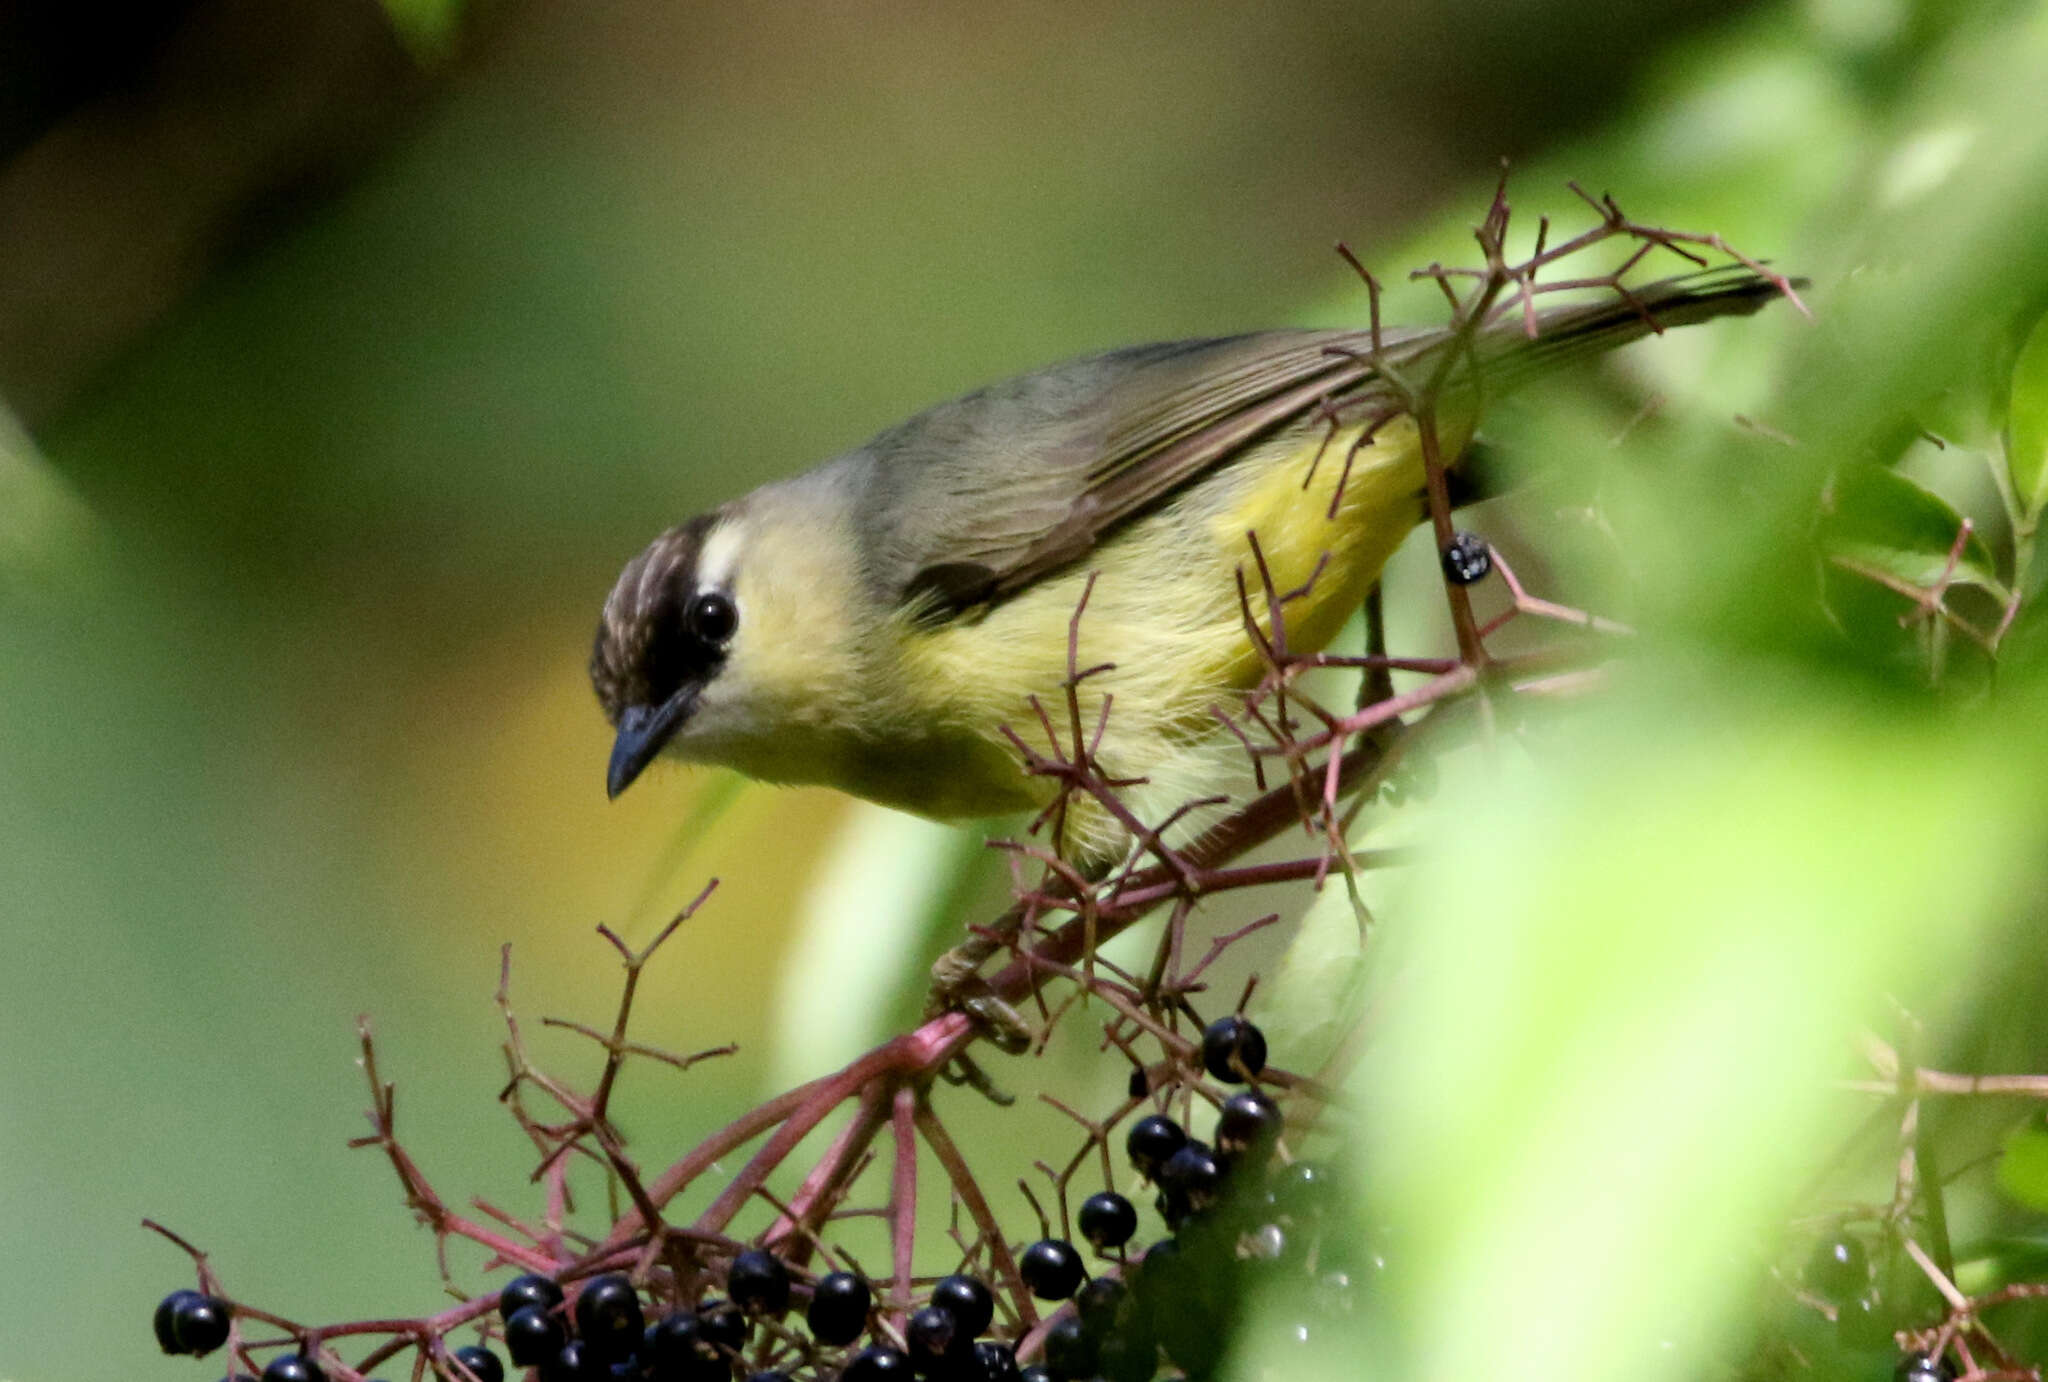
(1878, 518)
(47, 535)
(2023, 1170)
(1885, 538)
(1310, 1003)
(2026, 449)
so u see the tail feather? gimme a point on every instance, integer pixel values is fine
(1508, 355)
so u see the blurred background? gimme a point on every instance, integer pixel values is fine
(348, 349)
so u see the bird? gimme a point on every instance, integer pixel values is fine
(890, 622)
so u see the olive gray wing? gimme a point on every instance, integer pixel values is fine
(978, 498)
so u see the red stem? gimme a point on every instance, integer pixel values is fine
(828, 1178)
(903, 1201)
(969, 1190)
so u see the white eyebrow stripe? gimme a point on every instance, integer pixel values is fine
(720, 555)
(644, 589)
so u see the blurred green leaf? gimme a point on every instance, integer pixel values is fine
(708, 807)
(1613, 997)
(2026, 451)
(2023, 1170)
(428, 27)
(1970, 410)
(1311, 1000)
(1991, 1263)
(887, 884)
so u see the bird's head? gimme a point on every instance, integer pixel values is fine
(665, 635)
(743, 638)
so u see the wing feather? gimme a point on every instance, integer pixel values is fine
(977, 498)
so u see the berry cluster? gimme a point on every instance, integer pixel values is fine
(195, 1323)
(940, 1341)
(1229, 1211)
(1240, 1223)
(606, 1337)
(1235, 1219)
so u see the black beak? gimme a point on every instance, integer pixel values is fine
(643, 731)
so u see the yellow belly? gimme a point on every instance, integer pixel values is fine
(1164, 612)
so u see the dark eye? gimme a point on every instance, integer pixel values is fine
(711, 617)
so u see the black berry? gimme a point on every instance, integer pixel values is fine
(879, 1363)
(1127, 1356)
(1151, 1141)
(1191, 1180)
(996, 1362)
(969, 1302)
(839, 1308)
(1303, 1190)
(608, 1317)
(293, 1367)
(1163, 1284)
(1140, 1084)
(1248, 1126)
(482, 1363)
(1467, 559)
(1097, 1303)
(1107, 1219)
(532, 1336)
(1159, 1259)
(1051, 1268)
(675, 1350)
(1919, 1367)
(1233, 1050)
(164, 1321)
(758, 1283)
(1034, 1373)
(1209, 1238)
(1169, 1208)
(1266, 1243)
(530, 1289)
(769, 1375)
(1838, 1270)
(188, 1322)
(934, 1341)
(722, 1325)
(1069, 1350)
(572, 1363)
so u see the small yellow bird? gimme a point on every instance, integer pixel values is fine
(874, 623)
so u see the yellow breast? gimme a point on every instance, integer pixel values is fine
(1164, 611)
